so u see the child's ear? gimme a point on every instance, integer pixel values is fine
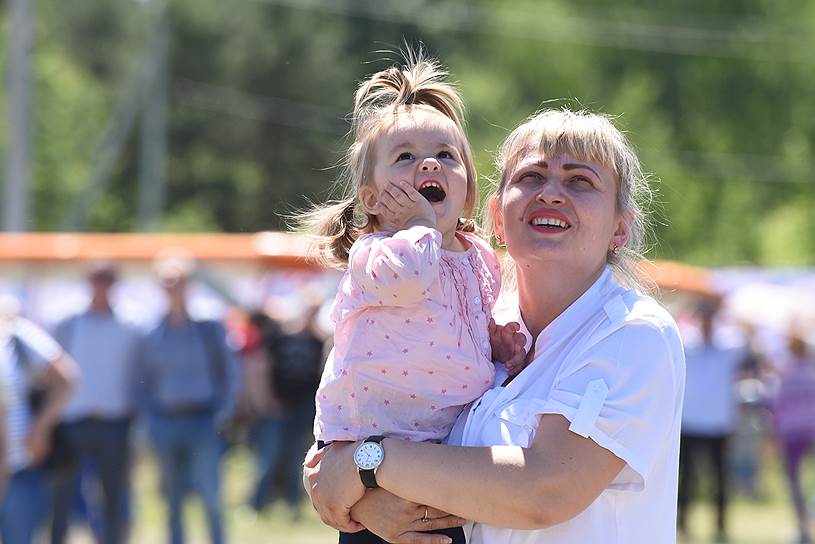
(368, 199)
(497, 219)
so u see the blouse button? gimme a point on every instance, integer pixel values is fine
(485, 344)
(477, 300)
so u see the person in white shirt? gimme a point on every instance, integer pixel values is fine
(581, 446)
(29, 358)
(99, 412)
(709, 416)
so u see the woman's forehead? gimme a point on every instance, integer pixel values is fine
(545, 156)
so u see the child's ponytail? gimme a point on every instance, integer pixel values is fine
(333, 228)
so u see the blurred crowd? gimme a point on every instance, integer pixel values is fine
(79, 399)
(744, 403)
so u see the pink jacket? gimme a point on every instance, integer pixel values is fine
(411, 345)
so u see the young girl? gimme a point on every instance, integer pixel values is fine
(412, 316)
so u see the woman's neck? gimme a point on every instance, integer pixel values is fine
(544, 294)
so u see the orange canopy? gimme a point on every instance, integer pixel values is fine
(285, 250)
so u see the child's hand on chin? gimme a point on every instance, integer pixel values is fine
(507, 342)
(400, 206)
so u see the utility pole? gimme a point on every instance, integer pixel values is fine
(152, 169)
(18, 172)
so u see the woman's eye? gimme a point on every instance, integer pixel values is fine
(530, 176)
(405, 156)
(445, 155)
(582, 180)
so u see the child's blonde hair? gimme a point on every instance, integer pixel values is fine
(590, 137)
(419, 84)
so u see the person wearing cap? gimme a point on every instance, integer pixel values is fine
(99, 412)
(188, 379)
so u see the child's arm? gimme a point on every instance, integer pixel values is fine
(398, 270)
(507, 344)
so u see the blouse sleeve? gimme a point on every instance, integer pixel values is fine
(624, 395)
(398, 269)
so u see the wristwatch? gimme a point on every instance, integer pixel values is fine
(368, 456)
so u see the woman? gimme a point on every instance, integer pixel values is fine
(583, 445)
(29, 359)
(793, 407)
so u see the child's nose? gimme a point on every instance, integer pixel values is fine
(430, 164)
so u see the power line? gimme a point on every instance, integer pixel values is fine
(748, 43)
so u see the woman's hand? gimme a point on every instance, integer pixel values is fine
(331, 479)
(402, 522)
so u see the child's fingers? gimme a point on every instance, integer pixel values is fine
(398, 194)
(410, 192)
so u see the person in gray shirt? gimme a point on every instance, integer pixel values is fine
(99, 411)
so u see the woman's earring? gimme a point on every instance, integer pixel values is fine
(616, 249)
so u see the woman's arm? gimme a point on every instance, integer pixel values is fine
(526, 488)
(58, 376)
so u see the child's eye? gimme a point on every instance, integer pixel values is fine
(404, 156)
(445, 155)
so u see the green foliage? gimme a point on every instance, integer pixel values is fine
(717, 98)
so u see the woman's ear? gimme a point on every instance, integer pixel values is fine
(623, 230)
(368, 199)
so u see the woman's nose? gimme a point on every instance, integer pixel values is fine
(430, 164)
(551, 193)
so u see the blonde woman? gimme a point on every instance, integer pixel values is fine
(583, 444)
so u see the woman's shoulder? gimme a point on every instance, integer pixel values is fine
(645, 310)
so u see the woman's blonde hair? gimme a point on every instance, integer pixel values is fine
(590, 137)
(417, 85)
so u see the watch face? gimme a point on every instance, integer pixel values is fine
(368, 455)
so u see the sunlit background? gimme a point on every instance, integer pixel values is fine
(210, 116)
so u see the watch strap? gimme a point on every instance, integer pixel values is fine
(368, 476)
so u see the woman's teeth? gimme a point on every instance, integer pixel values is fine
(549, 222)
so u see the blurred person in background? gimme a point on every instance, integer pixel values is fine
(188, 382)
(29, 358)
(794, 410)
(753, 422)
(296, 358)
(709, 416)
(99, 412)
(258, 407)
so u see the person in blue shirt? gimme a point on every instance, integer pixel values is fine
(188, 379)
(98, 413)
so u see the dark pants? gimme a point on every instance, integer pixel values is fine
(24, 507)
(188, 450)
(367, 537)
(105, 445)
(693, 450)
(280, 444)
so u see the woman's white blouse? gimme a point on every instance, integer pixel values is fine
(614, 366)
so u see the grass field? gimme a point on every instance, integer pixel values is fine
(769, 521)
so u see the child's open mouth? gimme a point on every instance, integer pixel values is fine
(432, 191)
